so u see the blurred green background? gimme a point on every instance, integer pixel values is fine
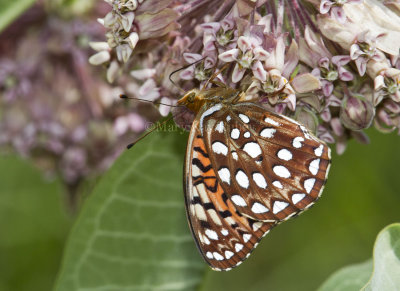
(360, 199)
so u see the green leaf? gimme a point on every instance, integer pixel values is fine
(385, 271)
(386, 274)
(349, 278)
(33, 227)
(11, 9)
(132, 232)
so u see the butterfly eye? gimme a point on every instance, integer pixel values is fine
(191, 97)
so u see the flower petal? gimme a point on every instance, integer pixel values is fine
(305, 83)
(229, 56)
(361, 64)
(133, 39)
(99, 58)
(187, 74)
(165, 108)
(291, 59)
(192, 58)
(99, 46)
(237, 74)
(244, 43)
(112, 71)
(259, 71)
(345, 75)
(143, 74)
(341, 60)
(379, 82)
(325, 6)
(260, 54)
(327, 88)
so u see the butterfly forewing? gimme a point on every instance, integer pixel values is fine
(247, 169)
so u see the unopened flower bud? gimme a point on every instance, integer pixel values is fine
(356, 112)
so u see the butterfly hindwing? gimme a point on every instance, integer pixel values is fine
(224, 237)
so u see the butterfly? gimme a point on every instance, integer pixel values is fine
(246, 170)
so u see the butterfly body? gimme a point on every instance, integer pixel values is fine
(246, 170)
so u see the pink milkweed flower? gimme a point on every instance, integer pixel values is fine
(328, 71)
(200, 70)
(248, 55)
(221, 34)
(387, 84)
(364, 49)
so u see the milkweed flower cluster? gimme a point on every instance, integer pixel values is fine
(332, 65)
(55, 109)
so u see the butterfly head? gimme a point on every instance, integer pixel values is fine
(195, 98)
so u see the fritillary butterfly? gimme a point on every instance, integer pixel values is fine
(246, 170)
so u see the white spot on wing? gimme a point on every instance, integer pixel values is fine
(242, 179)
(314, 166)
(217, 256)
(277, 184)
(319, 150)
(298, 197)
(257, 225)
(238, 200)
(209, 255)
(235, 133)
(202, 191)
(281, 171)
(268, 132)
(285, 155)
(211, 234)
(246, 237)
(259, 208)
(225, 175)
(235, 156)
(309, 184)
(228, 118)
(220, 127)
(253, 149)
(208, 112)
(279, 206)
(260, 180)
(246, 134)
(206, 241)
(228, 254)
(214, 216)
(219, 148)
(244, 118)
(224, 232)
(297, 142)
(238, 247)
(200, 213)
(271, 121)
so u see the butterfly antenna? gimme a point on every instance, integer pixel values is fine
(153, 129)
(158, 125)
(213, 76)
(124, 96)
(180, 69)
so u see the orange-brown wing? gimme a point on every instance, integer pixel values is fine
(270, 166)
(224, 237)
